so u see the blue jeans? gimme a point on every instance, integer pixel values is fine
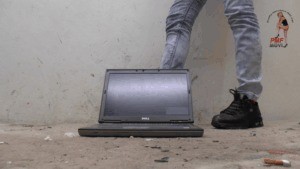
(245, 28)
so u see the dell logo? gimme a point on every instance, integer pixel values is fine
(145, 118)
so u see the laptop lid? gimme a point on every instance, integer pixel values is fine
(146, 96)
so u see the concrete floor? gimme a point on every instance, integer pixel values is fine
(24, 146)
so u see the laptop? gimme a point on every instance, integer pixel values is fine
(145, 103)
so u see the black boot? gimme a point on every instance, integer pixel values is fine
(242, 113)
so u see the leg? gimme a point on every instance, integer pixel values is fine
(245, 28)
(180, 21)
(243, 112)
(286, 36)
(278, 30)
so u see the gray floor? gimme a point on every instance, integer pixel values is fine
(24, 146)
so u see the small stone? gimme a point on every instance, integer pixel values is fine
(70, 134)
(149, 139)
(216, 141)
(165, 151)
(253, 133)
(162, 160)
(290, 129)
(185, 160)
(155, 147)
(27, 125)
(47, 138)
(131, 137)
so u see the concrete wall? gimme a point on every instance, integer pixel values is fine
(54, 55)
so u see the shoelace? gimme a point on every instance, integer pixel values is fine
(235, 106)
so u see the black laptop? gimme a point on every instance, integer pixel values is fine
(145, 103)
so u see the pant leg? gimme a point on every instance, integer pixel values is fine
(245, 28)
(182, 16)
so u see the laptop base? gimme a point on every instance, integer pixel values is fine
(119, 130)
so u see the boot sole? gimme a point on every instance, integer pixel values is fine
(244, 125)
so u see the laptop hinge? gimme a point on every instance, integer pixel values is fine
(181, 121)
(111, 121)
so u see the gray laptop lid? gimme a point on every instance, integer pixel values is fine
(146, 96)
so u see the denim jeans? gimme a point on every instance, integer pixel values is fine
(246, 32)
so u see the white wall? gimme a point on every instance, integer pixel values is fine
(54, 55)
(280, 99)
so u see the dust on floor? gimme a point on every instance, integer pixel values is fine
(60, 147)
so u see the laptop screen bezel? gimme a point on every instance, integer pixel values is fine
(148, 119)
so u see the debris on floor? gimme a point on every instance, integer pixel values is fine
(155, 147)
(284, 163)
(70, 134)
(149, 139)
(48, 138)
(253, 133)
(28, 125)
(162, 160)
(3, 142)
